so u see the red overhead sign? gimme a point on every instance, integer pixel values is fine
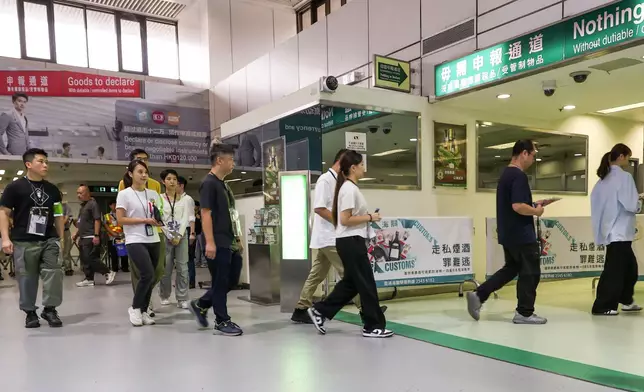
(68, 84)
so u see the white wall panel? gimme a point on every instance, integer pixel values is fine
(428, 62)
(312, 46)
(408, 54)
(194, 59)
(485, 6)
(284, 69)
(574, 7)
(439, 15)
(284, 25)
(252, 32)
(222, 103)
(403, 14)
(220, 47)
(511, 12)
(258, 82)
(238, 94)
(520, 26)
(348, 34)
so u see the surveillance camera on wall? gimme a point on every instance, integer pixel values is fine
(328, 84)
(373, 128)
(549, 87)
(386, 128)
(580, 76)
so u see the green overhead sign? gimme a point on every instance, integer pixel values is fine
(392, 74)
(596, 30)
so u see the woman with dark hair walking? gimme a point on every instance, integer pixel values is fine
(613, 203)
(138, 210)
(351, 220)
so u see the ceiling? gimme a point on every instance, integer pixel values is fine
(602, 90)
(168, 9)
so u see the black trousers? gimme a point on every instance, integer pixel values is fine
(116, 259)
(617, 281)
(90, 256)
(225, 270)
(358, 279)
(521, 260)
(146, 258)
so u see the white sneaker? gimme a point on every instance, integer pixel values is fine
(165, 301)
(135, 317)
(151, 311)
(631, 308)
(183, 305)
(85, 283)
(109, 277)
(147, 320)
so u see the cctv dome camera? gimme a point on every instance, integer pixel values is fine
(549, 87)
(328, 84)
(373, 128)
(580, 76)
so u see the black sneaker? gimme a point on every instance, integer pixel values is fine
(191, 286)
(228, 328)
(377, 333)
(32, 320)
(51, 316)
(301, 317)
(317, 320)
(200, 313)
(383, 308)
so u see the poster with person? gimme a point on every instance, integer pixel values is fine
(89, 116)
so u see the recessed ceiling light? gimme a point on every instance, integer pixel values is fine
(487, 123)
(578, 155)
(20, 172)
(324, 163)
(503, 96)
(413, 140)
(538, 159)
(569, 107)
(243, 172)
(1, 171)
(497, 156)
(390, 152)
(15, 178)
(366, 179)
(503, 146)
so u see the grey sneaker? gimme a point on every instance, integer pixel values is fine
(532, 319)
(473, 305)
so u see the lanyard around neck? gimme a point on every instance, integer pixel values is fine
(333, 174)
(174, 201)
(145, 210)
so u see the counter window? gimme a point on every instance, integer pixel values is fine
(561, 163)
(389, 142)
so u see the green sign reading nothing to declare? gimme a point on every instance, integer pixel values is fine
(599, 29)
(392, 74)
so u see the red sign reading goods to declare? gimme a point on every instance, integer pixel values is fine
(68, 84)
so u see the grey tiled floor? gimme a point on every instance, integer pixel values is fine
(98, 351)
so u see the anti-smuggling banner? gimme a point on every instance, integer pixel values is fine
(422, 251)
(568, 248)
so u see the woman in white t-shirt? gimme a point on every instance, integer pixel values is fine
(351, 220)
(135, 211)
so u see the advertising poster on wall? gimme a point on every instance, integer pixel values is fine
(90, 116)
(568, 249)
(450, 155)
(273, 153)
(424, 251)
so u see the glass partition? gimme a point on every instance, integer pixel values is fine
(561, 164)
(313, 136)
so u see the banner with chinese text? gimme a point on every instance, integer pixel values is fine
(450, 155)
(86, 116)
(422, 251)
(568, 248)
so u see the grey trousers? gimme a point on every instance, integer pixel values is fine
(200, 249)
(67, 251)
(35, 260)
(175, 256)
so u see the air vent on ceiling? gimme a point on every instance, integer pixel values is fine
(160, 8)
(449, 37)
(613, 65)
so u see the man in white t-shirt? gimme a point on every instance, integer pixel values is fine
(322, 241)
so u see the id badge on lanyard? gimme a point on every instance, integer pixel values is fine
(38, 217)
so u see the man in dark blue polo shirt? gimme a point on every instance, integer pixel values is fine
(515, 214)
(221, 229)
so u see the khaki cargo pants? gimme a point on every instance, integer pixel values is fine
(324, 259)
(34, 261)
